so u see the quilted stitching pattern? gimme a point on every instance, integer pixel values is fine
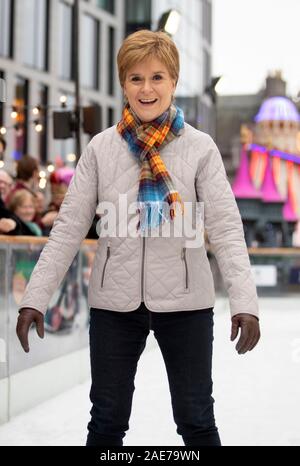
(107, 169)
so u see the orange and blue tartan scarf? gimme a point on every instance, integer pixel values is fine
(156, 189)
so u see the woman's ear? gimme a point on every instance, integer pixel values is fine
(125, 99)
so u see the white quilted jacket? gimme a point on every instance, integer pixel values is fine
(162, 272)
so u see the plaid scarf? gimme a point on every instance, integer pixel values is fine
(156, 189)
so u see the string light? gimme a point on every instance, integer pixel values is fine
(42, 183)
(71, 157)
(63, 101)
(3, 131)
(38, 126)
(42, 174)
(36, 110)
(14, 113)
(50, 168)
(2, 164)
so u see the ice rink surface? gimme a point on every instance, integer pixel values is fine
(257, 395)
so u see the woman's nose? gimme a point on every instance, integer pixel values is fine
(147, 85)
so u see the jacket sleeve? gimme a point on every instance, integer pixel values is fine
(69, 229)
(225, 232)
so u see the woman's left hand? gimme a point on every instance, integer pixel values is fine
(250, 332)
(7, 225)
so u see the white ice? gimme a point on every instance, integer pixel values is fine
(257, 395)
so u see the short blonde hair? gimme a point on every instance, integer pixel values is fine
(145, 44)
(18, 199)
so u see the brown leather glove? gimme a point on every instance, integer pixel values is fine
(28, 316)
(250, 332)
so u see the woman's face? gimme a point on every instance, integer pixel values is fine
(151, 81)
(5, 184)
(26, 210)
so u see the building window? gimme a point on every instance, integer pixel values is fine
(89, 52)
(92, 119)
(21, 121)
(108, 5)
(207, 20)
(34, 43)
(138, 15)
(2, 94)
(43, 119)
(6, 28)
(65, 148)
(111, 60)
(110, 116)
(65, 27)
(206, 68)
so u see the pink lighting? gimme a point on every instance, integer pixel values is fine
(268, 189)
(242, 186)
(288, 212)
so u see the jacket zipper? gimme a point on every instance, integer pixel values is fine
(183, 257)
(105, 264)
(143, 266)
(143, 261)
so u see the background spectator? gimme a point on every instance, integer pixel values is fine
(7, 223)
(6, 183)
(27, 176)
(22, 206)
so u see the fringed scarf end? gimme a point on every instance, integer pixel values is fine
(154, 213)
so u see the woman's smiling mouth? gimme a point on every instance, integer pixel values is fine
(147, 101)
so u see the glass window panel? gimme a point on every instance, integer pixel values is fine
(108, 5)
(2, 94)
(6, 11)
(65, 146)
(206, 20)
(21, 122)
(65, 18)
(34, 35)
(110, 116)
(89, 52)
(137, 11)
(111, 60)
(43, 119)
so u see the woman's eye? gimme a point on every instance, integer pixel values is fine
(136, 78)
(157, 77)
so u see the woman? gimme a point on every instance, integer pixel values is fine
(140, 282)
(22, 205)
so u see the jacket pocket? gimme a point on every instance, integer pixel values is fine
(105, 265)
(185, 270)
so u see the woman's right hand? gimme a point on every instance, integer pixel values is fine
(28, 316)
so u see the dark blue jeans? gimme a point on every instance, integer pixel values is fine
(117, 340)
